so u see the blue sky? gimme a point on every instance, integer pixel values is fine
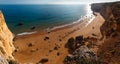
(50, 1)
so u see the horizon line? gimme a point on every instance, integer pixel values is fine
(55, 3)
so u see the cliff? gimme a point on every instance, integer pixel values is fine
(6, 37)
(95, 50)
(107, 10)
(109, 52)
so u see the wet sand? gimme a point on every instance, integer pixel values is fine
(51, 45)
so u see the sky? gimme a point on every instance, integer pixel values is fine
(51, 1)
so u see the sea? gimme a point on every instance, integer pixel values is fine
(29, 18)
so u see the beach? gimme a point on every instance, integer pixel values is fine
(50, 44)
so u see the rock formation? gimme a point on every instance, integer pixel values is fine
(110, 31)
(79, 51)
(111, 13)
(6, 45)
(109, 44)
(82, 55)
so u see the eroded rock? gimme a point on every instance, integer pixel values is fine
(81, 55)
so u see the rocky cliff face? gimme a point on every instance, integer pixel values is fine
(107, 10)
(81, 49)
(6, 37)
(109, 52)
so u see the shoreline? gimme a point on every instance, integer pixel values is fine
(86, 18)
(50, 44)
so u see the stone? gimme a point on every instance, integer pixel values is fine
(55, 48)
(79, 39)
(43, 60)
(32, 28)
(68, 59)
(60, 39)
(58, 53)
(46, 38)
(30, 45)
(19, 24)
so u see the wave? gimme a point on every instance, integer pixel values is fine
(91, 16)
(24, 33)
(75, 22)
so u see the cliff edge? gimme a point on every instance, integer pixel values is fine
(98, 50)
(6, 37)
(109, 52)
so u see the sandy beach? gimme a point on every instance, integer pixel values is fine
(32, 48)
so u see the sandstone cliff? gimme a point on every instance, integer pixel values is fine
(6, 37)
(109, 52)
(81, 49)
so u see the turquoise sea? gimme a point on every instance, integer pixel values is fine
(25, 18)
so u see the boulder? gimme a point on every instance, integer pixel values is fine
(81, 55)
(79, 39)
(70, 45)
(19, 24)
(43, 60)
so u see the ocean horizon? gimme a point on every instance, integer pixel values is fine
(28, 18)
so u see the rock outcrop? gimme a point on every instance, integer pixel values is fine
(79, 51)
(108, 52)
(6, 37)
(107, 10)
(107, 47)
(82, 55)
(111, 13)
